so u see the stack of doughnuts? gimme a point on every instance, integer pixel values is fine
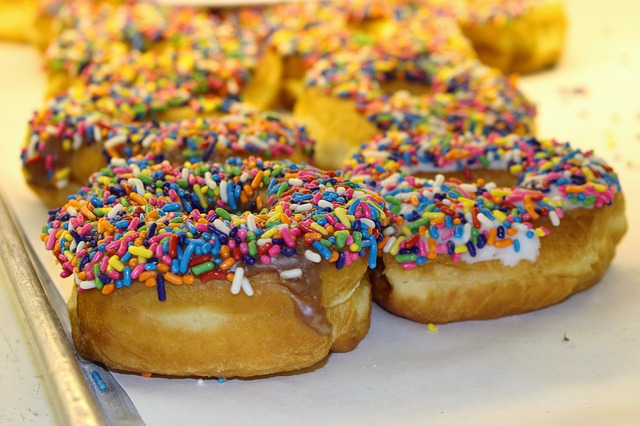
(241, 183)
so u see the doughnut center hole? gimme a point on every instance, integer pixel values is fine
(414, 88)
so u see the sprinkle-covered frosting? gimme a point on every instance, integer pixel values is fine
(464, 94)
(158, 224)
(61, 128)
(478, 221)
(498, 11)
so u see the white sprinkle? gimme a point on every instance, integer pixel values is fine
(114, 211)
(51, 130)
(484, 220)
(325, 204)
(97, 134)
(185, 173)
(263, 241)
(291, 274)
(304, 207)
(251, 223)
(87, 285)
(358, 195)
(295, 182)
(223, 191)
(221, 226)
(368, 223)
(73, 246)
(116, 140)
(468, 187)
(135, 170)
(246, 287)
(490, 186)
(341, 190)
(466, 233)
(390, 242)
(118, 162)
(209, 181)
(255, 141)
(81, 245)
(200, 381)
(148, 140)
(245, 177)
(137, 183)
(72, 211)
(555, 220)
(77, 141)
(312, 256)
(388, 231)
(236, 284)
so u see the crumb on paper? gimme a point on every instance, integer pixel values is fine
(565, 338)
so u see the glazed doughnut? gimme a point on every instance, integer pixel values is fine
(346, 102)
(237, 269)
(66, 144)
(520, 36)
(462, 251)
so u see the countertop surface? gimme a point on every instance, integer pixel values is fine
(577, 361)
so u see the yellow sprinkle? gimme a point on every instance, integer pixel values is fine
(318, 228)
(68, 255)
(406, 230)
(515, 169)
(499, 215)
(396, 245)
(461, 248)
(599, 187)
(341, 214)
(588, 174)
(116, 264)
(62, 173)
(432, 328)
(140, 252)
(540, 232)
(270, 233)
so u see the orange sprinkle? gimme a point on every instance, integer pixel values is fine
(574, 189)
(259, 202)
(512, 231)
(151, 282)
(108, 288)
(227, 263)
(133, 262)
(146, 375)
(457, 221)
(334, 257)
(152, 214)
(285, 219)
(493, 233)
(503, 243)
(247, 189)
(88, 213)
(82, 275)
(146, 275)
(255, 184)
(188, 279)
(230, 276)
(137, 198)
(421, 230)
(225, 252)
(529, 208)
(173, 278)
(400, 220)
(437, 221)
(163, 267)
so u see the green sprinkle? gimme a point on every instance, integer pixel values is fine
(409, 257)
(202, 268)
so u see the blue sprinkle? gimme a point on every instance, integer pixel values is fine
(171, 207)
(516, 245)
(324, 252)
(98, 381)
(162, 295)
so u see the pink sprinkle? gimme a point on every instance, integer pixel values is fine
(166, 259)
(231, 244)
(330, 219)
(244, 248)
(274, 250)
(286, 236)
(408, 265)
(422, 248)
(134, 224)
(455, 257)
(265, 259)
(114, 275)
(65, 273)
(85, 229)
(104, 264)
(51, 239)
(137, 270)
(340, 226)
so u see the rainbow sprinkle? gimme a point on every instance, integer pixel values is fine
(158, 224)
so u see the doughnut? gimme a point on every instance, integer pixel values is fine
(240, 269)
(16, 19)
(142, 43)
(66, 144)
(461, 249)
(516, 36)
(345, 101)
(302, 33)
